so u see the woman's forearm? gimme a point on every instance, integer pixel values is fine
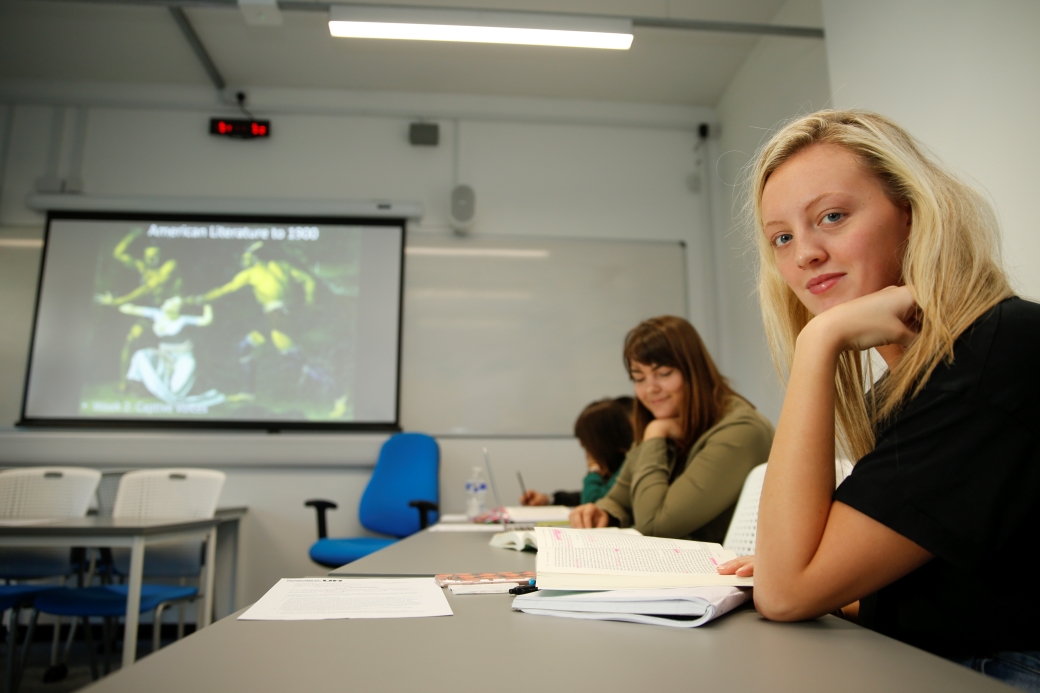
(799, 484)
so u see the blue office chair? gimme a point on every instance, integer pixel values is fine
(404, 481)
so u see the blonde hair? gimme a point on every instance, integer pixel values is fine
(951, 262)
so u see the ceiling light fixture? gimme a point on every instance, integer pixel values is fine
(432, 24)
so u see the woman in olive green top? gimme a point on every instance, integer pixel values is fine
(697, 440)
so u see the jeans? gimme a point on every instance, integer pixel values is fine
(1018, 669)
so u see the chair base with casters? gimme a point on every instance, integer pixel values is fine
(109, 602)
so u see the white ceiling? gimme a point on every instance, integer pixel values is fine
(43, 39)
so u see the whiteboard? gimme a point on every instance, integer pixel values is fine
(514, 336)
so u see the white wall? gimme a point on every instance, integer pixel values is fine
(962, 77)
(781, 78)
(539, 167)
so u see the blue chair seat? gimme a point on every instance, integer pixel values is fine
(11, 595)
(109, 600)
(332, 553)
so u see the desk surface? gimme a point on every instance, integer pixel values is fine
(431, 553)
(486, 645)
(91, 526)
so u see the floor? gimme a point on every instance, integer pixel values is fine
(78, 675)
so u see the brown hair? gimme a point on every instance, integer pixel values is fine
(952, 262)
(604, 429)
(671, 341)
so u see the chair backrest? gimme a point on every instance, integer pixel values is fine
(168, 493)
(407, 470)
(743, 528)
(40, 492)
(740, 537)
(107, 490)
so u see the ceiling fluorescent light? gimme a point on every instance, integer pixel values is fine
(431, 24)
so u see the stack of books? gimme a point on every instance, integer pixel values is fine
(624, 576)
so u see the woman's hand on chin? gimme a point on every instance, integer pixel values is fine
(663, 428)
(888, 316)
(741, 566)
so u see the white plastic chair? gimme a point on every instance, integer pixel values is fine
(38, 493)
(743, 528)
(175, 494)
(46, 492)
(168, 494)
(151, 494)
(740, 537)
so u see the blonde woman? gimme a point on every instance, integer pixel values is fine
(866, 242)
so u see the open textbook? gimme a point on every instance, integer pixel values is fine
(592, 559)
(680, 607)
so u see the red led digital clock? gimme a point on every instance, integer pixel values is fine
(240, 128)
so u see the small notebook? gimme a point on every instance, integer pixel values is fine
(678, 607)
(446, 579)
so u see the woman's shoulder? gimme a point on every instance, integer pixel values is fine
(742, 415)
(1009, 337)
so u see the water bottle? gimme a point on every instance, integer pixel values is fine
(476, 492)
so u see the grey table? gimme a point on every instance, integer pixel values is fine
(136, 534)
(485, 645)
(225, 576)
(431, 553)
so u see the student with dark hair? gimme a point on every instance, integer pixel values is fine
(696, 440)
(604, 429)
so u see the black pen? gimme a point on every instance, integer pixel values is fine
(523, 489)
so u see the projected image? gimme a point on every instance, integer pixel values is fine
(253, 322)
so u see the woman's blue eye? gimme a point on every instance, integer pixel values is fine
(782, 239)
(833, 217)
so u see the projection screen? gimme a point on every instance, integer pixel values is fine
(217, 321)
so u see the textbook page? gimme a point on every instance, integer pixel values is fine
(592, 559)
(313, 599)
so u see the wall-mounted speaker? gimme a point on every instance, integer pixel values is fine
(463, 208)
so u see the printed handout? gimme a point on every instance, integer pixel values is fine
(312, 599)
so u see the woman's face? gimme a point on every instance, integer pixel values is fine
(659, 388)
(835, 234)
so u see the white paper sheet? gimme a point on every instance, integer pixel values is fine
(313, 599)
(538, 513)
(468, 527)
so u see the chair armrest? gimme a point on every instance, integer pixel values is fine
(424, 508)
(321, 506)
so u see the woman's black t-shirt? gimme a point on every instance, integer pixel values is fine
(957, 471)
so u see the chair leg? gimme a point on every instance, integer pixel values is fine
(157, 626)
(91, 651)
(56, 640)
(12, 641)
(180, 616)
(25, 651)
(60, 670)
(107, 635)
